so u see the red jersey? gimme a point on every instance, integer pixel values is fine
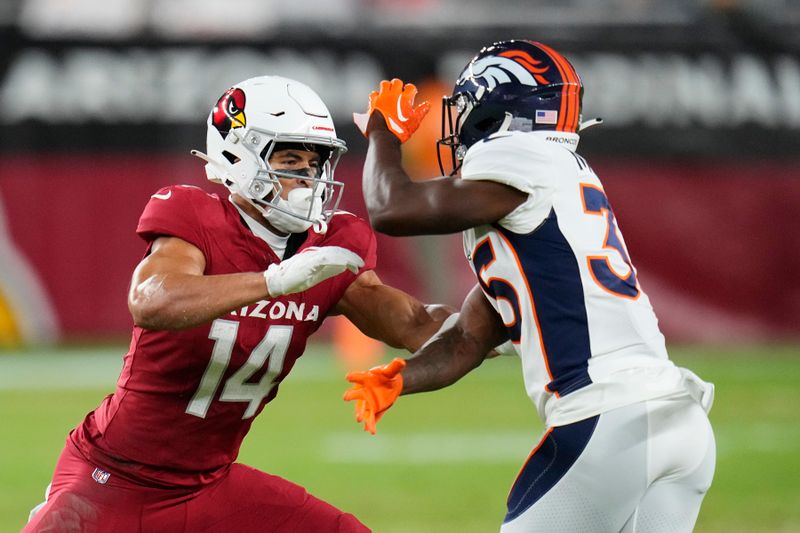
(186, 399)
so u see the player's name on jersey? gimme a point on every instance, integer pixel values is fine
(270, 310)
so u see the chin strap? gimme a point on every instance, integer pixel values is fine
(320, 227)
(220, 170)
(506, 123)
(589, 123)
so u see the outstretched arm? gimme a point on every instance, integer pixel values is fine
(388, 314)
(169, 290)
(399, 206)
(454, 352)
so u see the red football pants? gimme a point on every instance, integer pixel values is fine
(243, 500)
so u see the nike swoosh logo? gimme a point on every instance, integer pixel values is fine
(162, 196)
(400, 112)
(395, 126)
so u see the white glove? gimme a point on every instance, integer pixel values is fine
(308, 268)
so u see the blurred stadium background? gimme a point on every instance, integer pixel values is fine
(100, 103)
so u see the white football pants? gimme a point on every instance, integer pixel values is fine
(643, 468)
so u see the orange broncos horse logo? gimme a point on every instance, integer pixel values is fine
(511, 65)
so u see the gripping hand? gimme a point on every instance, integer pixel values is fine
(395, 101)
(308, 268)
(375, 391)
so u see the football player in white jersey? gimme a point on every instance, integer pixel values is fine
(628, 445)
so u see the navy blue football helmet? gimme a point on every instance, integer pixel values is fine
(510, 85)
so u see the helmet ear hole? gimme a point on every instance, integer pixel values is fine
(232, 159)
(486, 124)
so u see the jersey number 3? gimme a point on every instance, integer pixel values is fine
(270, 351)
(595, 202)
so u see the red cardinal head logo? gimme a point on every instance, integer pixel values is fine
(229, 111)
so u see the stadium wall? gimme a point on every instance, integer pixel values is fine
(715, 242)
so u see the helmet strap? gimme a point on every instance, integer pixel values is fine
(589, 123)
(284, 221)
(213, 167)
(506, 123)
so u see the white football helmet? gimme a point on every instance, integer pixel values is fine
(244, 128)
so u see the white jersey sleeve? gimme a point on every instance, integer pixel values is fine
(520, 161)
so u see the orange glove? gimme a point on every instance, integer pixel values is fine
(395, 101)
(375, 391)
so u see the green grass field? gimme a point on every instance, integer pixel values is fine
(441, 462)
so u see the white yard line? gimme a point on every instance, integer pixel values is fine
(98, 368)
(514, 446)
(64, 369)
(92, 368)
(425, 448)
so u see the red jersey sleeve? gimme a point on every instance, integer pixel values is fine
(355, 234)
(175, 211)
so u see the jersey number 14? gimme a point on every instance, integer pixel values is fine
(270, 351)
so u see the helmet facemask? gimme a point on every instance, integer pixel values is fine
(462, 104)
(472, 122)
(309, 205)
(247, 172)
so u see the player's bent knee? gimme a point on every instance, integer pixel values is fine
(68, 512)
(318, 515)
(350, 524)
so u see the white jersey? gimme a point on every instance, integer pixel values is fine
(557, 271)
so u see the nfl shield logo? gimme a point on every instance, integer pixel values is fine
(101, 476)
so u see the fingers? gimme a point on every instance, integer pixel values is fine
(353, 394)
(370, 424)
(419, 111)
(409, 93)
(394, 85)
(351, 260)
(357, 377)
(363, 409)
(361, 405)
(374, 391)
(422, 109)
(395, 100)
(386, 86)
(397, 362)
(393, 368)
(341, 256)
(336, 256)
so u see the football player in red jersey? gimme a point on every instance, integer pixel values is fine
(223, 304)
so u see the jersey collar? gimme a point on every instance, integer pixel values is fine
(276, 242)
